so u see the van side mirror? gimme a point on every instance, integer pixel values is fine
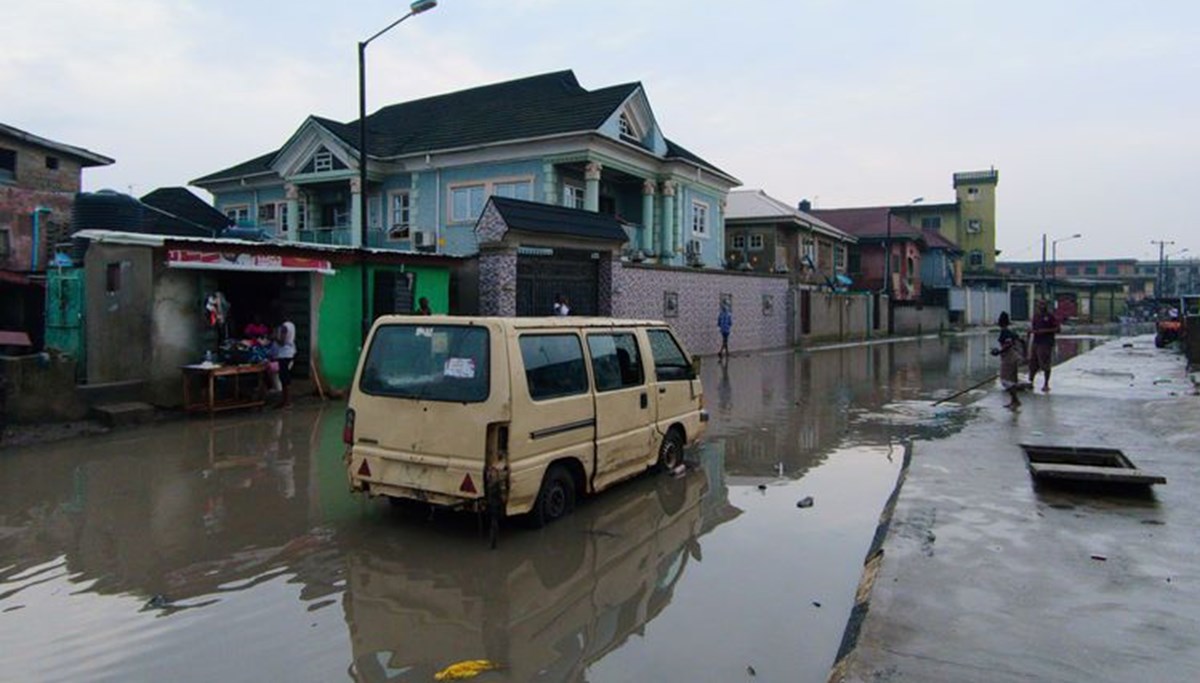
(695, 367)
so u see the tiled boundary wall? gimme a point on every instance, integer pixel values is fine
(690, 299)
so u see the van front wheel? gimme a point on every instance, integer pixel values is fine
(670, 453)
(556, 499)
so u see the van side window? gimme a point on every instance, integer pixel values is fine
(616, 363)
(669, 361)
(553, 365)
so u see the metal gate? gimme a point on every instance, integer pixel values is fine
(64, 315)
(543, 274)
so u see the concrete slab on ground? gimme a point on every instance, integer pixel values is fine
(986, 577)
(124, 414)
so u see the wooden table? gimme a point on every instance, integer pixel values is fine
(206, 375)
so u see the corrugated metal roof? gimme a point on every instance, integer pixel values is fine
(757, 204)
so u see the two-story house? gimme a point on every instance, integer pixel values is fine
(38, 181)
(432, 164)
(880, 232)
(767, 235)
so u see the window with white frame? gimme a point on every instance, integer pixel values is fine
(839, 258)
(323, 161)
(810, 252)
(466, 202)
(273, 216)
(756, 242)
(699, 218)
(401, 215)
(521, 189)
(975, 258)
(972, 194)
(573, 196)
(974, 225)
(238, 215)
(739, 241)
(627, 129)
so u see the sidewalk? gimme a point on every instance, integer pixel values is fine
(984, 578)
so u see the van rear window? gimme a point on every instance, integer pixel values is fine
(428, 362)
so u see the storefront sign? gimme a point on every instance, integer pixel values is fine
(262, 263)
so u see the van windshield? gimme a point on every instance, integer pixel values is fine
(428, 362)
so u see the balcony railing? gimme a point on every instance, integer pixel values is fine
(333, 236)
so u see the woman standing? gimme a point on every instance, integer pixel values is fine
(285, 355)
(1008, 347)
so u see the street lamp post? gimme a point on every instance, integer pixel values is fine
(1054, 263)
(887, 278)
(413, 9)
(1158, 280)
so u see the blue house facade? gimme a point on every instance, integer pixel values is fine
(433, 163)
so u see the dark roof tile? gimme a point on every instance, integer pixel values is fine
(528, 216)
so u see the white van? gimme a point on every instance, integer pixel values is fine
(517, 415)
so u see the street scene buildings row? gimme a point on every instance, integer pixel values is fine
(492, 199)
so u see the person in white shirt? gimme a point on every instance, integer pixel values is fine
(285, 355)
(560, 305)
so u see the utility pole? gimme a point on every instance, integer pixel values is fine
(1043, 295)
(1158, 280)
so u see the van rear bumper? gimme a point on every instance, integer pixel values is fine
(446, 482)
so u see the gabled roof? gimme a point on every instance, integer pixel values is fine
(551, 219)
(758, 205)
(934, 239)
(869, 223)
(536, 106)
(181, 203)
(86, 157)
(260, 165)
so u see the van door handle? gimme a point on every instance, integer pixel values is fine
(662, 390)
(645, 401)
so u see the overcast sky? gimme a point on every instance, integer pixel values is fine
(1088, 109)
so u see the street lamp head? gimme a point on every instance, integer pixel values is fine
(1076, 236)
(917, 200)
(422, 6)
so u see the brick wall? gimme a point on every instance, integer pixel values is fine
(16, 221)
(641, 291)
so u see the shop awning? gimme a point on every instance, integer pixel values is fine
(240, 261)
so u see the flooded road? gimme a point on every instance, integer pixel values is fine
(230, 549)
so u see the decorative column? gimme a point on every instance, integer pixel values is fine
(668, 222)
(292, 229)
(648, 191)
(356, 200)
(591, 191)
(719, 229)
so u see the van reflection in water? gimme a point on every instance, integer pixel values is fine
(546, 605)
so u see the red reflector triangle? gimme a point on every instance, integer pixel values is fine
(364, 470)
(468, 486)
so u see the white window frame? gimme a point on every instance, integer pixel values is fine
(238, 213)
(323, 161)
(756, 242)
(839, 258)
(974, 226)
(516, 185)
(700, 218)
(809, 252)
(573, 196)
(975, 258)
(972, 194)
(470, 188)
(399, 226)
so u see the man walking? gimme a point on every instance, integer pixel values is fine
(1041, 351)
(725, 324)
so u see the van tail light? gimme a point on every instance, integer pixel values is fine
(348, 428)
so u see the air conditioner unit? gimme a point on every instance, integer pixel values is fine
(421, 239)
(693, 248)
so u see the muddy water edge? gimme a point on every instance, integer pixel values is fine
(230, 549)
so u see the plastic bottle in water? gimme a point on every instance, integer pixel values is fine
(208, 357)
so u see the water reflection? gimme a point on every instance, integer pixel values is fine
(545, 607)
(246, 520)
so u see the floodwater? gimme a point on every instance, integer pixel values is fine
(230, 549)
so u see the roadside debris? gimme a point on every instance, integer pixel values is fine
(469, 668)
(1099, 558)
(750, 670)
(805, 502)
(816, 604)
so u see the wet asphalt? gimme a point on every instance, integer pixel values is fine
(230, 548)
(987, 577)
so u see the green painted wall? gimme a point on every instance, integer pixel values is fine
(338, 321)
(339, 312)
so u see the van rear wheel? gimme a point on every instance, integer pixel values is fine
(670, 453)
(556, 499)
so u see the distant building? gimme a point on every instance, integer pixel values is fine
(38, 181)
(877, 230)
(767, 235)
(969, 222)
